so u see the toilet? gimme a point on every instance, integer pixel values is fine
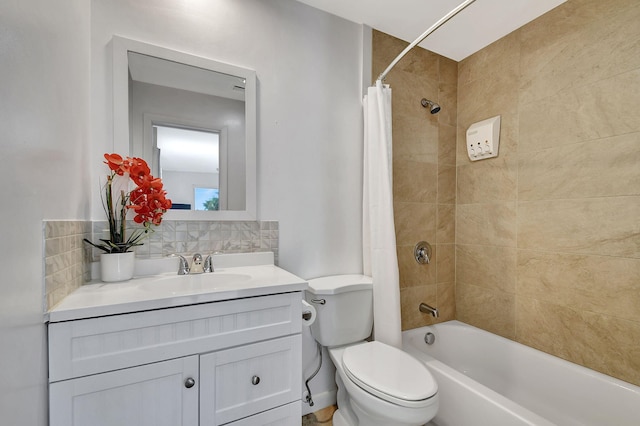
(378, 384)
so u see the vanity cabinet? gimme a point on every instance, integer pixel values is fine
(235, 362)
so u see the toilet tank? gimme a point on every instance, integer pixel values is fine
(344, 305)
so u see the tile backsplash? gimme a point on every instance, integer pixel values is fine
(190, 237)
(67, 259)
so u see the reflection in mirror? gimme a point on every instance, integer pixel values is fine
(193, 120)
(180, 105)
(189, 163)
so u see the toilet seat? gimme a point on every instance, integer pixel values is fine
(389, 374)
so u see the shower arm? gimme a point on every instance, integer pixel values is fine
(424, 35)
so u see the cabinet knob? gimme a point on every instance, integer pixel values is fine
(255, 380)
(189, 383)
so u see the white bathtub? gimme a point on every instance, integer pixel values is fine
(484, 379)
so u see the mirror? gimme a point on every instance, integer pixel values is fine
(193, 120)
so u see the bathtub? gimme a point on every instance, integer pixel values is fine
(485, 379)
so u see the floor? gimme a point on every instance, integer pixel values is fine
(320, 417)
(323, 417)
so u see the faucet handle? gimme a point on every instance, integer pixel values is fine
(183, 267)
(422, 252)
(196, 264)
(208, 264)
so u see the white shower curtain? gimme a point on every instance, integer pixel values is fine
(379, 237)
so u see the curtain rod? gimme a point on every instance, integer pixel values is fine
(424, 35)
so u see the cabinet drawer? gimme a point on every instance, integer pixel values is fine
(95, 345)
(239, 382)
(287, 415)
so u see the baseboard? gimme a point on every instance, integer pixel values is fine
(320, 401)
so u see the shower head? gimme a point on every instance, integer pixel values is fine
(434, 108)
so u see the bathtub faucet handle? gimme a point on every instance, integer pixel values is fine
(422, 252)
(424, 308)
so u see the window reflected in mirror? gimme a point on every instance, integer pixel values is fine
(207, 199)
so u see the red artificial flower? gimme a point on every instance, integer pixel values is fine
(115, 163)
(139, 171)
(148, 200)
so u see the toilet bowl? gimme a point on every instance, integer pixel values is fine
(377, 384)
(385, 386)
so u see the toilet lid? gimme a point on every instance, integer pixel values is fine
(388, 373)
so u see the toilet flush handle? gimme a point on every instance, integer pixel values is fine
(318, 301)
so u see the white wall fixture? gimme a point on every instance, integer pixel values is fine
(483, 139)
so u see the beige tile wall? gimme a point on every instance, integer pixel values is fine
(542, 244)
(548, 233)
(424, 174)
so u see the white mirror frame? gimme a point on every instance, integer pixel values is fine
(121, 46)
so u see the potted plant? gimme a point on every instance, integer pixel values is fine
(147, 201)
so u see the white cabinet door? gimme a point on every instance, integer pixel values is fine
(243, 381)
(149, 395)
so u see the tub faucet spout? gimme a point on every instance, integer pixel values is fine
(424, 308)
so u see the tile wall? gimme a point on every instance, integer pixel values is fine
(203, 237)
(67, 258)
(424, 174)
(542, 244)
(548, 233)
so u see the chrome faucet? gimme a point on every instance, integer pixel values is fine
(197, 265)
(424, 308)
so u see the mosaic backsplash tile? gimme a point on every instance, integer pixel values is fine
(205, 237)
(68, 259)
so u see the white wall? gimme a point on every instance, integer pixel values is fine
(309, 141)
(308, 65)
(44, 117)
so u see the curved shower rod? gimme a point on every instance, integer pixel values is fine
(424, 35)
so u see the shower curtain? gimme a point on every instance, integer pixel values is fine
(379, 237)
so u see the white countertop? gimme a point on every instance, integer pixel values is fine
(167, 290)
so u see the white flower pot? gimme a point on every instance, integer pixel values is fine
(116, 267)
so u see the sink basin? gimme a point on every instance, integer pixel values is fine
(194, 283)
